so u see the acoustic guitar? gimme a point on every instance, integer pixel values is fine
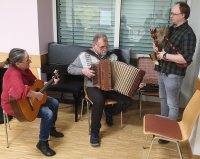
(160, 36)
(158, 41)
(27, 109)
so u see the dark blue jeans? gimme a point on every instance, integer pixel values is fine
(48, 114)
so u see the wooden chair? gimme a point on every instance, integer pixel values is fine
(150, 78)
(164, 128)
(89, 103)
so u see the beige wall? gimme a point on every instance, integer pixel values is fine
(28, 25)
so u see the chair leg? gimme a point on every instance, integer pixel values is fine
(145, 143)
(89, 116)
(154, 137)
(7, 120)
(82, 107)
(140, 100)
(76, 99)
(151, 146)
(179, 150)
(6, 124)
(62, 96)
(121, 119)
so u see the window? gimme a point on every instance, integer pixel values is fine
(79, 21)
(137, 18)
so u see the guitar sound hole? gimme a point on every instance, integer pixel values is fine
(37, 89)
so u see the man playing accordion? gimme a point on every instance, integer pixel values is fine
(82, 66)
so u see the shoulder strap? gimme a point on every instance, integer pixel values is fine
(92, 53)
(88, 60)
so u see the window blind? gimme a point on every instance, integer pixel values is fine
(137, 18)
(79, 21)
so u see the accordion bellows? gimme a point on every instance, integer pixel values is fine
(117, 76)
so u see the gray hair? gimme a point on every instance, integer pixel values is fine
(99, 36)
(16, 55)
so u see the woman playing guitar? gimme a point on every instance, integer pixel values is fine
(19, 84)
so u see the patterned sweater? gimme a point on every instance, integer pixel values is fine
(84, 60)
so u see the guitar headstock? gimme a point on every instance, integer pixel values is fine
(153, 33)
(56, 74)
(155, 38)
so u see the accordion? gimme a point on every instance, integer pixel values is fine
(117, 76)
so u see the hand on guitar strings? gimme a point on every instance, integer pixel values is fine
(155, 48)
(35, 95)
(160, 55)
(55, 81)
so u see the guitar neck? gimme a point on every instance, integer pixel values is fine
(155, 39)
(46, 86)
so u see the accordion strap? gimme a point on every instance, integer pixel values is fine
(92, 53)
(88, 60)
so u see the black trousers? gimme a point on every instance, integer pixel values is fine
(98, 98)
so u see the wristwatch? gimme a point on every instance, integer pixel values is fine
(164, 56)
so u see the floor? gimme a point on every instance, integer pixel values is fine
(116, 142)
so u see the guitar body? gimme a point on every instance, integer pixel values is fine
(27, 109)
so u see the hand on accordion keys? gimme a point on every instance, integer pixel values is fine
(88, 72)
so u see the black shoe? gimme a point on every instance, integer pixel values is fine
(161, 141)
(43, 146)
(109, 119)
(55, 133)
(94, 139)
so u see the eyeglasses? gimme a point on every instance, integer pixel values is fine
(104, 47)
(27, 61)
(173, 14)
